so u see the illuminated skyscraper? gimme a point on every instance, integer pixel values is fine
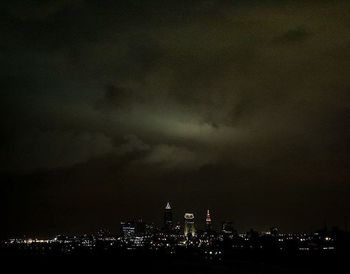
(189, 229)
(208, 220)
(168, 217)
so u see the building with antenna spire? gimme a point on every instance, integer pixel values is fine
(168, 217)
(208, 220)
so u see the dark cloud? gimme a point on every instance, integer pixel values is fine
(293, 36)
(240, 106)
(53, 149)
(117, 96)
(37, 10)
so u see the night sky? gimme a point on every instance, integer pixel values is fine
(112, 108)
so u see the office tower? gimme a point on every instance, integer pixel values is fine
(208, 220)
(168, 217)
(140, 227)
(189, 229)
(227, 227)
(128, 229)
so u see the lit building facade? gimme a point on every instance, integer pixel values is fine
(189, 228)
(128, 229)
(208, 220)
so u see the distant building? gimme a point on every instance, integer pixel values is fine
(208, 221)
(168, 217)
(227, 227)
(177, 229)
(140, 227)
(128, 229)
(189, 228)
(274, 231)
(103, 233)
(150, 229)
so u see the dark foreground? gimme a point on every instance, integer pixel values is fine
(148, 262)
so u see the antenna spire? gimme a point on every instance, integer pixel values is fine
(168, 206)
(208, 219)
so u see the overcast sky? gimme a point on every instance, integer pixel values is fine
(112, 108)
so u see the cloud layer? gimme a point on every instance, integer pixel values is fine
(242, 97)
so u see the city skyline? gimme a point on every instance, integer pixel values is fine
(178, 221)
(178, 246)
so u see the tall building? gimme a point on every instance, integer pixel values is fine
(168, 217)
(189, 229)
(208, 220)
(227, 227)
(140, 227)
(127, 229)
